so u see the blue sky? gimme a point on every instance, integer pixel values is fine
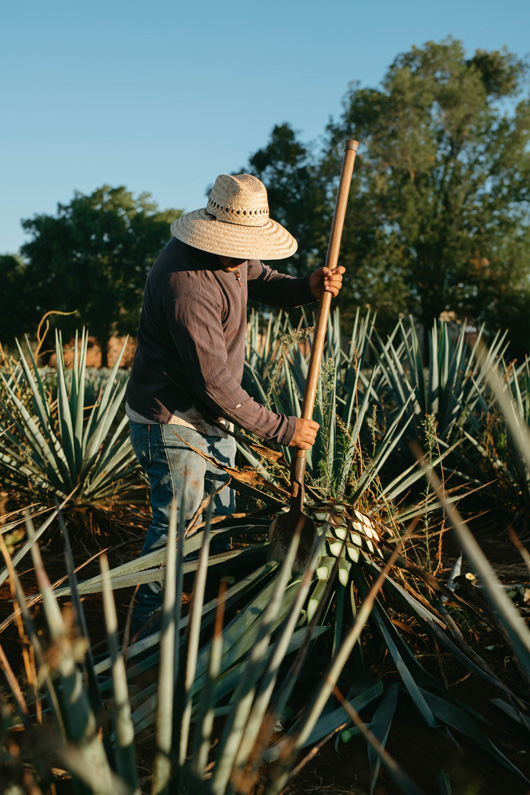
(163, 96)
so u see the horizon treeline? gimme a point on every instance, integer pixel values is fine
(437, 222)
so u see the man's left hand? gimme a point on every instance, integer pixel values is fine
(325, 280)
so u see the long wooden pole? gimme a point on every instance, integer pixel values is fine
(350, 150)
(332, 257)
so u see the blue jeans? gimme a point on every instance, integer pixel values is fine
(176, 471)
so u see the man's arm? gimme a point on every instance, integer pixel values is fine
(277, 289)
(197, 332)
(281, 290)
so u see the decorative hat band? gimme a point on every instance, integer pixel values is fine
(236, 214)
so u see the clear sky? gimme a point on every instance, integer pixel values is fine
(163, 96)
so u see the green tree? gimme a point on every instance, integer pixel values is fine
(93, 257)
(297, 194)
(439, 209)
(16, 316)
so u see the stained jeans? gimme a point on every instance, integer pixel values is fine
(175, 471)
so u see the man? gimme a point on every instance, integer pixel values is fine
(185, 390)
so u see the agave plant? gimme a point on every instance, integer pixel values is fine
(494, 453)
(338, 589)
(360, 588)
(445, 383)
(229, 671)
(345, 407)
(56, 447)
(359, 440)
(489, 593)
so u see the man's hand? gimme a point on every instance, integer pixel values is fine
(305, 434)
(325, 280)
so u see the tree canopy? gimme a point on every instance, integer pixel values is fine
(16, 316)
(296, 192)
(439, 208)
(92, 257)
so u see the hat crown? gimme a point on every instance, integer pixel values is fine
(239, 199)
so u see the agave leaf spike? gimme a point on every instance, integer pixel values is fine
(411, 475)
(240, 633)
(354, 427)
(395, 374)
(230, 671)
(79, 614)
(388, 445)
(457, 718)
(194, 628)
(380, 728)
(330, 721)
(33, 539)
(105, 417)
(257, 383)
(416, 363)
(107, 459)
(112, 395)
(255, 722)
(205, 717)
(411, 673)
(432, 401)
(51, 456)
(78, 383)
(169, 642)
(34, 380)
(125, 754)
(44, 672)
(356, 378)
(76, 402)
(68, 439)
(243, 696)
(78, 715)
(126, 574)
(229, 680)
(287, 748)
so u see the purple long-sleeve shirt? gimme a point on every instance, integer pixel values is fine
(191, 339)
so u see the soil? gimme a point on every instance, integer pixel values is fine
(342, 768)
(94, 357)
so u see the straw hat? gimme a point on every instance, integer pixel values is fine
(235, 222)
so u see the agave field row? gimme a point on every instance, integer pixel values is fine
(255, 664)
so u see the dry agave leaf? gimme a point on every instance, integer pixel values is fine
(248, 477)
(266, 452)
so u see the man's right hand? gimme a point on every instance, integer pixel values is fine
(305, 434)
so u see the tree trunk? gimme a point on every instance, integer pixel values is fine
(104, 346)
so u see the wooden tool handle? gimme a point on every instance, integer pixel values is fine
(298, 463)
(350, 150)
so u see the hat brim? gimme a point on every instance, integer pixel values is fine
(200, 230)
